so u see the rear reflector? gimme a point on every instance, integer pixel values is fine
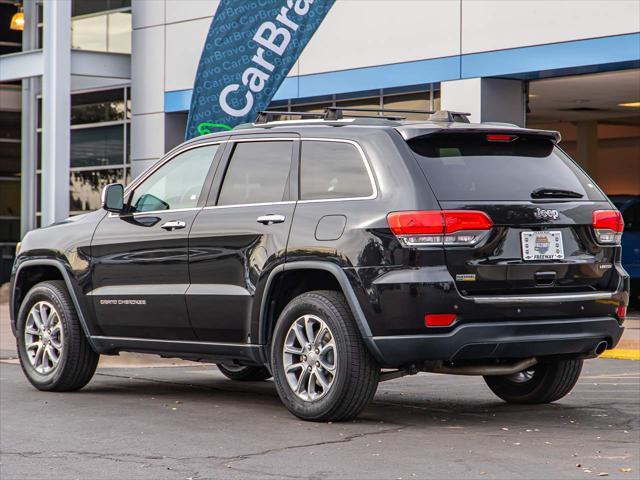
(622, 312)
(500, 137)
(608, 226)
(439, 319)
(439, 227)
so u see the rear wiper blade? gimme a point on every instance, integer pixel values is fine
(545, 192)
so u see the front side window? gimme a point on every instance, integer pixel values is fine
(177, 184)
(258, 172)
(332, 170)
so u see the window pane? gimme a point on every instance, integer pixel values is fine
(97, 146)
(85, 7)
(468, 167)
(86, 187)
(89, 33)
(332, 170)
(94, 107)
(257, 174)
(177, 184)
(9, 198)
(412, 101)
(119, 32)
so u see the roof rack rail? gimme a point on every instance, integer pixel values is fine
(336, 113)
(450, 116)
(267, 116)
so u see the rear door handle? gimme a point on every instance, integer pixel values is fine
(270, 219)
(173, 225)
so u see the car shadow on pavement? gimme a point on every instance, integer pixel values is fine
(403, 405)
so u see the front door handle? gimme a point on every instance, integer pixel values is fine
(270, 219)
(173, 225)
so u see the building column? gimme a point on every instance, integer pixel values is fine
(56, 106)
(486, 99)
(28, 134)
(587, 146)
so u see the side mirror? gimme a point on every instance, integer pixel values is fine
(113, 197)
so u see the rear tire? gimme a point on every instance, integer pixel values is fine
(321, 368)
(53, 350)
(542, 383)
(244, 373)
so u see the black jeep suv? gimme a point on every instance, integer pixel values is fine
(333, 253)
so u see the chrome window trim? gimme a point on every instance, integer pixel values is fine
(262, 204)
(133, 185)
(367, 166)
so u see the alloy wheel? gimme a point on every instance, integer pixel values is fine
(310, 358)
(43, 337)
(522, 377)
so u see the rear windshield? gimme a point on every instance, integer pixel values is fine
(469, 167)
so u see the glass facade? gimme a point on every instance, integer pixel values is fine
(103, 32)
(100, 146)
(98, 25)
(419, 100)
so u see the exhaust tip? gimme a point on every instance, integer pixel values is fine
(601, 347)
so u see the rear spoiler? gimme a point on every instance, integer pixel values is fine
(412, 131)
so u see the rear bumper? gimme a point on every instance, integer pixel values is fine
(508, 339)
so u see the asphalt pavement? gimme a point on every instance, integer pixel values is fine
(190, 422)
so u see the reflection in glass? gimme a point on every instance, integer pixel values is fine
(85, 187)
(119, 32)
(411, 101)
(9, 198)
(97, 146)
(94, 107)
(109, 32)
(332, 170)
(89, 33)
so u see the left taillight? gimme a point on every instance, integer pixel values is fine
(439, 227)
(608, 226)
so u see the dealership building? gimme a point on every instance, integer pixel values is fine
(95, 91)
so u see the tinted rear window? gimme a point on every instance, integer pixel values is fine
(332, 170)
(468, 167)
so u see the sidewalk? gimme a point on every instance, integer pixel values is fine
(627, 349)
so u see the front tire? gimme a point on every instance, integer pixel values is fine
(244, 373)
(321, 368)
(542, 383)
(53, 350)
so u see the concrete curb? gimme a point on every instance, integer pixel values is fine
(622, 354)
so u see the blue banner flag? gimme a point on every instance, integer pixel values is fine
(250, 48)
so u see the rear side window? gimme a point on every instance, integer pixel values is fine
(330, 169)
(469, 167)
(258, 172)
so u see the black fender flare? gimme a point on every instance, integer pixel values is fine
(339, 274)
(67, 280)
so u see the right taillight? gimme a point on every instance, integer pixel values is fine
(439, 227)
(608, 226)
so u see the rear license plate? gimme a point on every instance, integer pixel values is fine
(542, 246)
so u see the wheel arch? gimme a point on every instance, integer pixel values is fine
(32, 272)
(322, 276)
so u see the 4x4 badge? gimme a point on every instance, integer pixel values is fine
(542, 213)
